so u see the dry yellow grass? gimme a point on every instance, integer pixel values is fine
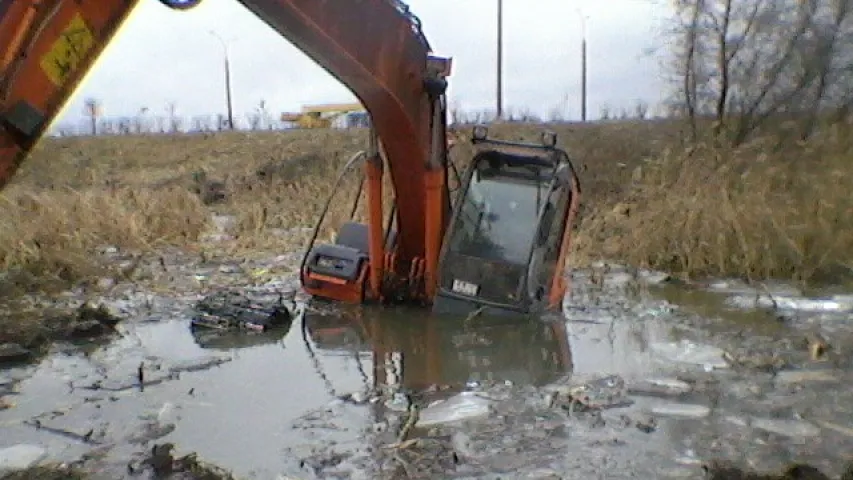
(50, 235)
(756, 212)
(743, 212)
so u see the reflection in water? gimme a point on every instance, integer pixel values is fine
(418, 351)
(228, 339)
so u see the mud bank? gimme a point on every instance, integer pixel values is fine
(637, 378)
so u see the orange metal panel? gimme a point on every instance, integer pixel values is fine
(46, 53)
(376, 237)
(559, 285)
(330, 288)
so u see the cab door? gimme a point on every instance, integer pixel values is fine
(547, 243)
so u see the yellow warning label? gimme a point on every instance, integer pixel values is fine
(67, 51)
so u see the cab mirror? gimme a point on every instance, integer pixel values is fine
(181, 4)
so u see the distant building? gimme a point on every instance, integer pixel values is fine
(359, 119)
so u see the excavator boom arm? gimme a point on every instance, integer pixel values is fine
(374, 47)
(46, 48)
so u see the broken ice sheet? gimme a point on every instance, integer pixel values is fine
(688, 352)
(463, 406)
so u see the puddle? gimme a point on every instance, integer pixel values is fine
(626, 382)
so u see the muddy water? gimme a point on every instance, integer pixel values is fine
(633, 380)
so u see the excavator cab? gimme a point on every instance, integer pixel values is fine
(505, 245)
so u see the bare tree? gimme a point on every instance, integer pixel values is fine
(93, 110)
(746, 64)
(174, 121)
(139, 121)
(641, 109)
(555, 115)
(260, 116)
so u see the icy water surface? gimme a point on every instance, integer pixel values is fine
(631, 381)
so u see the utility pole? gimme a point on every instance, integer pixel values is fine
(583, 65)
(500, 52)
(228, 101)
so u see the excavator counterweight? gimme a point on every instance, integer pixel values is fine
(377, 49)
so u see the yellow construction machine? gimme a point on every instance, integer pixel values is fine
(320, 116)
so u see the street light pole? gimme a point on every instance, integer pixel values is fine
(583, 65)
(227, 81)
(499, 89)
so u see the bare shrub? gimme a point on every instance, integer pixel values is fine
(715, 210)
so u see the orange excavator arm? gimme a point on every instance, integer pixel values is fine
(374, 47)
(46, 48)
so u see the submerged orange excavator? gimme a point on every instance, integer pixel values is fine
(499, 243)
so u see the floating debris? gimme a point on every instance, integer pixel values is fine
(794, 377)
(593, 393)
(162, 462)
(835, 303)
(86, 322)
(660, 386)
(685, 351)
(681, 410)
(237, 311)
(463, 406)
(787, 428)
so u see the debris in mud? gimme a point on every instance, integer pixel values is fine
(681, 410)
(86, 322)
(13, 353)
(686, 352)
(660, 387)
(160, 375)
(320, 463)
(27, 333)
(151, 431)
(835, 303)
(463, 406)
(798, 377)
(232, 310)
(758, 361)
(595, 393)
(428, 457)
(45, 472)
(798, 471)
(784, 427)
(817, 346)
(78, 437)
(162, 463)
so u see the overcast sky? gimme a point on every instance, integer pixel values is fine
(163, 55)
